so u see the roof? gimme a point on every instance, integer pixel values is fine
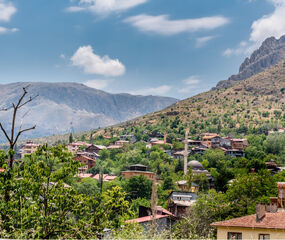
(114, 147)
(210, 137)
(270, 221)
(138, 165)
(83, 156)
(84, 175)
(106, 177)
(79, 144)
(146, 219)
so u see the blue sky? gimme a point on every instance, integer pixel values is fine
(174, 48)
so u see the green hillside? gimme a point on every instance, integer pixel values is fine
(254, 105)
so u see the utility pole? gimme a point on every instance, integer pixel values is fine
(186, 151)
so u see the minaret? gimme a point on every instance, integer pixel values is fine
(186, 150)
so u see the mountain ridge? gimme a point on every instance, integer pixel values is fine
(62, 106)
(270, 52)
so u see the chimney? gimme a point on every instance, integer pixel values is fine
(260, 212)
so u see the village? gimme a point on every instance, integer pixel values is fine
(262, 225)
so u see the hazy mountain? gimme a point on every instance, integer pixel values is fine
(61, 107)
(271, 52)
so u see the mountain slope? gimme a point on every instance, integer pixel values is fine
(255, 103)
(270, 53)
(64, 106)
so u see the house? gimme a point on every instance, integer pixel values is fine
(235, 153)
(29, 148)
(130, 138)
(225, 143)
(273, 167)
(178, 155)
(198, 150)
(84, 175)
(111, 147)
(164, 219)
(155, 141)
(267, 223)
(193, 143)
(262, 225)
(182, 184)
(89, 154)
(137, 170)
(122, 142)
(95, 148)
(87, 161)
(239, 144)
(75, 147)
(179, 202)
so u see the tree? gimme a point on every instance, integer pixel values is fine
(71, 138)
(208, 208)
(202, 181)
(138, 187)
(168, 183)
(116, 207)
(14, 135)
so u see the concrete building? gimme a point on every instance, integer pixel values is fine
(267, 223)
(29, 148)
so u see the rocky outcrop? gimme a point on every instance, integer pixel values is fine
(270, 53)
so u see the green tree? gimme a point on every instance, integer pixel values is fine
(71, 138)
(138, 187)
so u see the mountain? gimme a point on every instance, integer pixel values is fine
(61, 107)
(256, 105)
(270, 53)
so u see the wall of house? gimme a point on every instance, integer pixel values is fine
(248, 233)
(129, 174)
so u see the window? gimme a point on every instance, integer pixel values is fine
(264, 237)
(234, 236)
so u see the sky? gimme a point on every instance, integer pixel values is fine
(175, 48)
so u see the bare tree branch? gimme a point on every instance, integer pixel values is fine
(5, 133)
(24, 130)
(30, 99)
(16, 107)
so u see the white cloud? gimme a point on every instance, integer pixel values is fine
(7, 10)
(91, 63)
(163, 25)
(200, 42)
(105, 6)
(190, 83)
(98, 83)
(161, 90)
(271, 25)
(4, 30)
(62, 56)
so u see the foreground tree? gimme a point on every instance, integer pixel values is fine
(14, 135)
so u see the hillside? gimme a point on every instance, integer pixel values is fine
(270, 53)
(256, 104)
(62, 107)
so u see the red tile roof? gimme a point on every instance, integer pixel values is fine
(270, 221)
(83, 156)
